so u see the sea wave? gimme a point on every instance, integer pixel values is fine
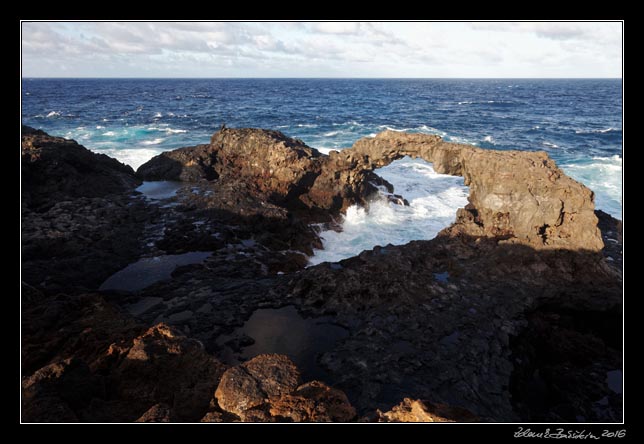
(597, 131)
(603, 175)
(153, 141)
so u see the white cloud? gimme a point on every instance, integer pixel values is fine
(319, 49)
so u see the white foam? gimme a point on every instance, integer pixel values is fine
(603, 175)
(488, 139)
(596, 131)
(326, 151)
(109, 133)
(134, 157)
(434, 199)
(53, 114)
(550, 144)
(153, 141)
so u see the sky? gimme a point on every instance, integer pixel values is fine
(322, 49)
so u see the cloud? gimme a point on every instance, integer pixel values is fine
(336, 27)
(547, 30)
(319, 49)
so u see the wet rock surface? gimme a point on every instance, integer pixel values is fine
(496, 319)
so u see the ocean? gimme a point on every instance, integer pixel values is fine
(577, 121)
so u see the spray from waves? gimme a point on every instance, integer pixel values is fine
(156, 141)
(134, 157)
(52, 114)
(433, 198)
(603, 175)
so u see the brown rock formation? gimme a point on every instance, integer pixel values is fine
(517, 195)
(265, 389)
(276, 168)
(424, 411)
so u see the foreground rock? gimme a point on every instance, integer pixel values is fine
(56, 169)
(78, 222)
(424, 411)
(100, 368)
(267, 389)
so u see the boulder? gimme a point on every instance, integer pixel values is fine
(416, 410)
(265, 389)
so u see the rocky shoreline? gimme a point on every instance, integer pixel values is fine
(513, 313)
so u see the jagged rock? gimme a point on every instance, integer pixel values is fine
(424, 411)
(61, 327)
(274, 167)
(56, 169)
(157, 413)
(78, 223)
(163, 366)
(53, 392)
(265, 389)
(313, 402)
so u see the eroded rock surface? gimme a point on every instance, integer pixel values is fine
(512, 313)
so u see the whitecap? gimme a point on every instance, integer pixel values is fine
(550, 144)
(53, 114)
(488, 139)
(109, 133)
(153, 141)
(596, 131)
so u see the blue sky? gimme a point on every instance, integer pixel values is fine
(321, 49)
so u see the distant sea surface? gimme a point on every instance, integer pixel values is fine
(578, 122)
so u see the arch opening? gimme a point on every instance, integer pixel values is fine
(433, 201)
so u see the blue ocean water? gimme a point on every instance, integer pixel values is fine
(578, 122)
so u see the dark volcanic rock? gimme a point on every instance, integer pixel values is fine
(273, 167)
(79, 224)
(516, 294)
(56, 169)
(163, 366)
(159, 375)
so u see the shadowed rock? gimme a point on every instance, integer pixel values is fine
(55, 169)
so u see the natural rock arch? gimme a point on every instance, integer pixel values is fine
(517, 196)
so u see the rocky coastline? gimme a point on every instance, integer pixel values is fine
(512, 313)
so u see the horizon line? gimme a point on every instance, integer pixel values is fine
(326, 78)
